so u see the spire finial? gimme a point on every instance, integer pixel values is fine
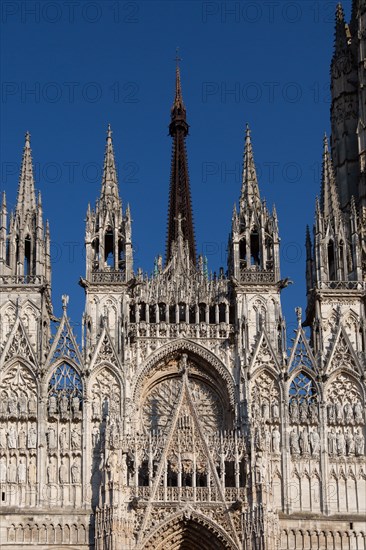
(329, 194)
(26, 200)
(250, 189)
(109, 179)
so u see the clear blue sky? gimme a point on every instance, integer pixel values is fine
(70, 68)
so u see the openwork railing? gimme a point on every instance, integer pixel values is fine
(108, 277)
(195, 494)
(342, 285)
(21, 279)
(256, 276)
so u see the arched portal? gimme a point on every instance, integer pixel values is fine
(192, 533)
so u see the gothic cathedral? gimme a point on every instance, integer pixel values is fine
(181, 422)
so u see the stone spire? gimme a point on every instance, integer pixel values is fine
(340, 35)
(109, 193)
(250, 190)
(26, 200)
(329, 194)
(180, 194)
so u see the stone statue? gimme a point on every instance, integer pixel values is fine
(258, 440)
(332, 445)
(95, 437)
(63, 471)
(359, 443)
(294, 442)
(331, 413)
(304, 411)
(314, 442)
(75, 405)
(275, 412)
(276, 440)
(267, 439)
(304, 442)
(348, 413)
(3, 405)
(32, 437)
(52, 405)
(63, 439)
(357, 409)
(2, 469)
(105, 407)
(96, 408)
(22, 472)
(32, 405)
(294, 411)
(75, 472)
(32, 472)
(64, 406)
(12, 471)
(51, 438)
(313, 410)
(265, 411)
(350, 444)
(12, 438)
(2, 437)
(75, 439)
(13, 406)
(51, 472)
(21, 438)
(341, 445)
(339, 413)
(22, 403)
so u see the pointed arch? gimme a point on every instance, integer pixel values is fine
(106, 389)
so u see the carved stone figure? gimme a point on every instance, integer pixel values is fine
(75, 472)
(13, 406)
(339, 413)
(304, 411)
(2, 437)
(51, 472)
(313, 410)
(265, 411)
(294, 442)
(359, 443)
(12, 471)
(22, 403)
(22, 472)
(95, 437)
(3, 469)
(350, 444)
(64, 406)
(314, 442)
(304, 442)
(348, 413)
(3, 405)
(75, 439)
(21, 438)
(32, 405)
(358, 413)
(332, 442)
(75, 406)
(51, 438)
(52, 405)
(331, 413)
(63, 473)
(294, 411)
(276, 440)
(96, 408)
(32, 472)
(12, 438)
(32, 437)
(63, 439)
(341, 446)
(275, 412)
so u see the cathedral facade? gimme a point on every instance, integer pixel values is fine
(182, 421)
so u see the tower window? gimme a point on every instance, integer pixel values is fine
(212, 312)
(202, 312)
(27, 257)
(222, 313)
(109, 248)
(152, 314)
(182, 312)
(172, 314)
(331, 262)
(142, 311)
(254, 248)
(243, 252)
(162, 312)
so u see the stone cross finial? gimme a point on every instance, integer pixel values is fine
(65, 301)
(298, 311)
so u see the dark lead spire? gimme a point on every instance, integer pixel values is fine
(180, 194)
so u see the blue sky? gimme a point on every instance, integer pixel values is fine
(70, 68)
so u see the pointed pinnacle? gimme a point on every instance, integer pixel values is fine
(250, 189)
(329, 193)
(26, 200)
(3, 202)
(341, 31)
(109, 179)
